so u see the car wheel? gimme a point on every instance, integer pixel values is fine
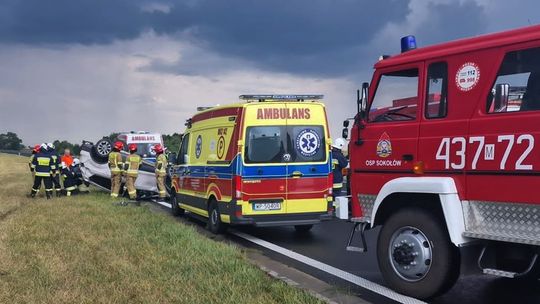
(100, 151)
(415, 254)
(303, 228)
(175, 209)
(214, 219)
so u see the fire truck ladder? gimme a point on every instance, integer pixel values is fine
(487, 256)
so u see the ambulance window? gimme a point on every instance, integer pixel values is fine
(306, 143)
(265, 144)
(396, 98)
(184, 151)
(437, 92)
(517, 87)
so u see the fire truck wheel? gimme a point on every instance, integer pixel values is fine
(175, 209)
(214, 219)
(303, 228)
(415, 254)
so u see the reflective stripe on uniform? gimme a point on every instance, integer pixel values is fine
(337, 185)
(43, 174)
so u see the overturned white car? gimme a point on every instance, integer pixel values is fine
(95, 168)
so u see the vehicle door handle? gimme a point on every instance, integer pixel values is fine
(297, 174)
(408, 157)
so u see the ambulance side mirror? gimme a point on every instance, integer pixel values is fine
(502, 91)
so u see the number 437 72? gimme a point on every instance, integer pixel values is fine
(458, 145)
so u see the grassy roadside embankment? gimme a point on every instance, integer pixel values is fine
(84, 249)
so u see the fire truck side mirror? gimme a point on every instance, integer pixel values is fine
(363, 100)
(346, 123)
(345, 133)
(502, 91)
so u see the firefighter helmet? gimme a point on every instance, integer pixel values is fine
(36, 149)
(132, 148)
(340, 143)
(158, 148)
(50, 146)
(119, 145)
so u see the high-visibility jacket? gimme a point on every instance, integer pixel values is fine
(133, 162)
(42, 163)
(161, 165)
(56, 162)
(70, 180)
(115, 162)
(30, 162)
(67, 159)
(338, 163)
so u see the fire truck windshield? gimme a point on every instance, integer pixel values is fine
(396, 97)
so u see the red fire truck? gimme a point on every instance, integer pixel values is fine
(443, 159)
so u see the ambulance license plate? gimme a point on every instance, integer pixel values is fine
(266, 206)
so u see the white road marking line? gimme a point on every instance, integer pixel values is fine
(347, 276)
(379, 289)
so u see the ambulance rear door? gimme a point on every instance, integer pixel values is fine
(264, 170)
(308, 159)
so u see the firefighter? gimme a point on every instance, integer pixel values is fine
(338, 163)
(131, 167)
(42, 166)
(56, 167)
(70, 181)
(30, 162)
(116, 165)
(161, 171)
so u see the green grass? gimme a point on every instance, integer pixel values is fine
(87, 250)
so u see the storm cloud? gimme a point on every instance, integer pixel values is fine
(98, 66)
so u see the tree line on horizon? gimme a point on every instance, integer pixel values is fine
(12, 142)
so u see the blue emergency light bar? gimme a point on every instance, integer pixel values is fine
(281, 97)
(408, 43)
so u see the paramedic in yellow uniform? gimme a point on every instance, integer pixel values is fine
(131, 166)
(116, 165)
(161, 171)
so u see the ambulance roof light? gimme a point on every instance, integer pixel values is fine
(273, 97)
(408, 43)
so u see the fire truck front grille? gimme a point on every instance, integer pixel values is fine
(507, 222)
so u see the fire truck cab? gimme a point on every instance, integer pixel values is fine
(443, 157)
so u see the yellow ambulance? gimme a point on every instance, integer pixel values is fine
(265, 161)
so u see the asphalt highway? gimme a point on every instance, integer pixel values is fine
(326, 243)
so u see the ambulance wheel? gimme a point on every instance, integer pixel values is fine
(303, 228)
(214, 219)
(175, 209)
(415, 254)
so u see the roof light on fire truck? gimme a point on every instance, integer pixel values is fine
(408, 43)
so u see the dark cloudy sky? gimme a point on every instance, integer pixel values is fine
(78, 69)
